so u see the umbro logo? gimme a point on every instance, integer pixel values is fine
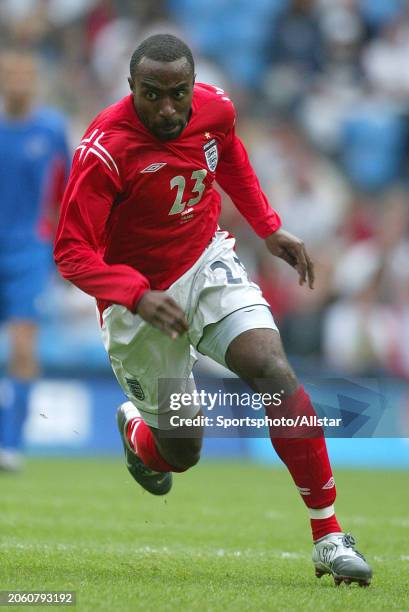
(330, 484)
(153, 167)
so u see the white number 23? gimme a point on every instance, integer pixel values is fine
(180, 182)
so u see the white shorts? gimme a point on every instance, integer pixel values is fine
(220, 302)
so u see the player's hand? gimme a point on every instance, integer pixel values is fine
(293, 251)
(161, 311)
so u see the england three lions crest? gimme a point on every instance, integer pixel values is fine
(211, 154)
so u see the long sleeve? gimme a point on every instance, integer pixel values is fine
(91, 192)
(238, 179)
(55, 185)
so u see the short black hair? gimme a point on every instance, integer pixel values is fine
(162, 48)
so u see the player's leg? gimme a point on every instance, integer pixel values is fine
(181, 451)
(23, 362)
(22, 371)
(234, 326)
(23, 277)
(149, 461)
(257, 356)
(174, 450)
(140, 356)
(248, 343)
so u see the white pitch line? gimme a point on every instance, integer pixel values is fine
(173, 551)
(153, 550)
(396, 521)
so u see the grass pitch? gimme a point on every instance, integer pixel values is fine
(228, 537)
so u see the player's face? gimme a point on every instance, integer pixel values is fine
(18, 79)
(162, 93)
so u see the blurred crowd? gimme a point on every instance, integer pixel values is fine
(322, 92)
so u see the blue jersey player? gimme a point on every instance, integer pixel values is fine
(33, 167)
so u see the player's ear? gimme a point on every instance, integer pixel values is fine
(131, 83)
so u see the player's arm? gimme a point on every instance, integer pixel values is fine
(56, 180)
(88, 200)
(91, 191)
(236, 176)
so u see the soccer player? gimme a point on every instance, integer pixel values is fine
(33, 168)
(139, 231)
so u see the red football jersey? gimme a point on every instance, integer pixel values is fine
(138, 212)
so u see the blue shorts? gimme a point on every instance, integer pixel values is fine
(23, 278)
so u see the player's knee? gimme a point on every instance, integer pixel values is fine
(187, 462)
(23, 365)
(187, 457)
(275, 371)
(276, 368)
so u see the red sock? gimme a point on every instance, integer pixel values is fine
(306, 458)
(143, 443)
(322, 527)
